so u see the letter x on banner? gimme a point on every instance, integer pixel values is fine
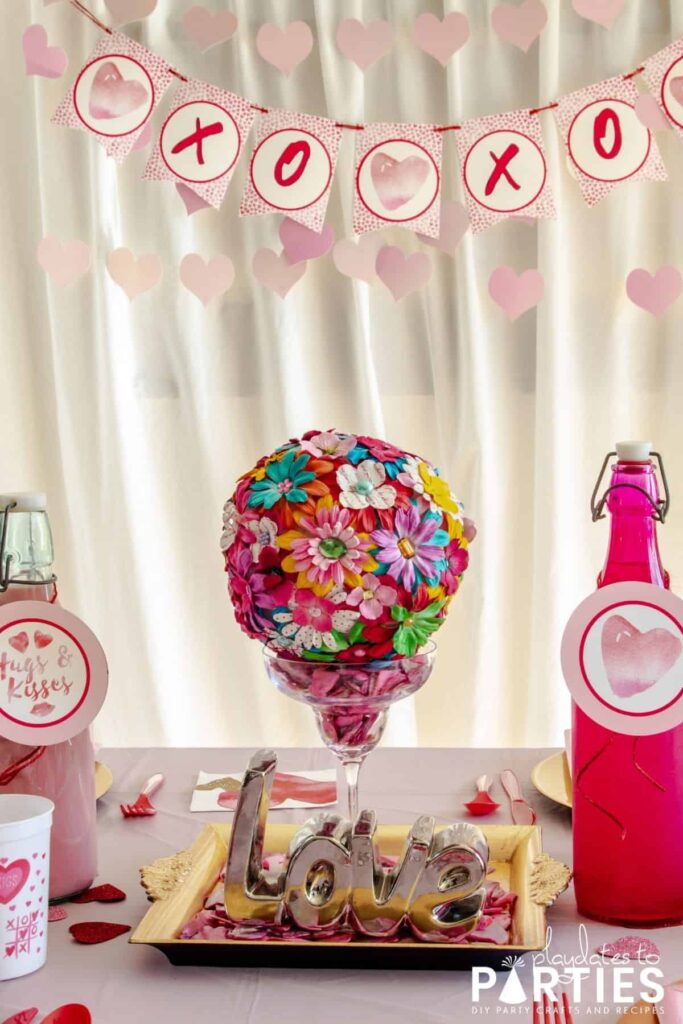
(201, 140)
(504, 168)
(606, 143)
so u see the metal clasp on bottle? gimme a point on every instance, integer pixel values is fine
(660, 508)
(6, 560)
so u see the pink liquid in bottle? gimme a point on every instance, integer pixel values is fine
(628, 791)
(64, 772)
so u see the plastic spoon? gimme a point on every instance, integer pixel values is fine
(482, 803)
(522, 812)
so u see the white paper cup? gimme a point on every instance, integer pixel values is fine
(25, 823)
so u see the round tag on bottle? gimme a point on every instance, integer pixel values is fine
(53, 673)
(622, 658)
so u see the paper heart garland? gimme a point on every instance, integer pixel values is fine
(519, 25)
(397, 181)
(635, 661)
(276, 272)
(357, 259)
(284, 48)
(364, 44)
(208, 28)
(402, 273)
(144, 138)
(124, 11)
(441, 37)
(71, 1013)
(604, 12)
(654, 292)
(65, 262)
(191, 200)
(649, 113)
(39, 57)
(91, 933)
(301, 243)
(207, 279)
(516, 293)
(453, 224)
(134, 276)
(13, 878)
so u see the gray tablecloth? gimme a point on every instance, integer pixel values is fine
(124, 983)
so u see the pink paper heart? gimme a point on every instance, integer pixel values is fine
(453, 224)
(134, 276)
(364, 44)
(13, 878)
(519, 25)
(649, 113)
(191, 200)
(676, 88)
(65, 262)
(441, 37)
(112, 95)
(402, 273)
(124, 11)
(275, 272)
(635, 661)
(654, 292)
(300, 243)
(357, 259)
(397, 181)
(207, 279)
(284, 48)
(39, 58)
(144, 138)
(604, 12)
(208, 28)
(516, 293)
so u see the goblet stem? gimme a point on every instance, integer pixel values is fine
(351, 771)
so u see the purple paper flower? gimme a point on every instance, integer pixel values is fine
(414, 550)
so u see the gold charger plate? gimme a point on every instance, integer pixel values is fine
(179, 885)
(103, 779)
(552, 778)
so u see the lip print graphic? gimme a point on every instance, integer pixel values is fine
(13, 878)
(112, 95)
(19, 641)
(289, 787)
(41, 710)
(676, 88)
(397, 181)
(635, 661)
(42, 639)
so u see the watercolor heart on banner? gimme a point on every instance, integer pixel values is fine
(364, 44)
(519, 25)
(65, 262)
(284, 48)
(71, 1013)
(516, 293)
(191, 200)
(654, 292)
(453, 224)
(208, 28)
(402, 273)
(649, 113)
(134, 276)
(124, 11)
(357, 259)
(207, 279)
(441, 37)
(604, 12)
(300, 243)
(39, 57)
(275, 272)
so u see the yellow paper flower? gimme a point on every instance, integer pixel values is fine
(438, 489)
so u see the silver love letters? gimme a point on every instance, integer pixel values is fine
(333, 876)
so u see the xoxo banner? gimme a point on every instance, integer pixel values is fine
(663, 73)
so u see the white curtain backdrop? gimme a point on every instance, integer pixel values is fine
(137, 418)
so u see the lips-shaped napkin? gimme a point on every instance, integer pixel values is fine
(635, 661)
(290, 787)
(397, 181)
(112, 95)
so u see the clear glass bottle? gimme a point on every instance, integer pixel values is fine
(628, 791)
(64, 772)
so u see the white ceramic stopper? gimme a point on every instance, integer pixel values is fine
(26, 501)
(634, 451)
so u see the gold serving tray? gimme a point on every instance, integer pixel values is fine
(553, 779)
(179, 885)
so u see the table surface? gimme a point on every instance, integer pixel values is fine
(119, 982)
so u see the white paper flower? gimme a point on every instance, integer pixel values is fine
(231, 520)
(363, 486)
(328, 445)
(265, 532)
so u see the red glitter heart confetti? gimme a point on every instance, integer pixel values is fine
(70, 1013)
(630, 947)
(100, 894)
(23, 1017)
(92, 932)
(56, 914)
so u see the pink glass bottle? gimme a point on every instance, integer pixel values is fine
(628, 791)
(64, 772)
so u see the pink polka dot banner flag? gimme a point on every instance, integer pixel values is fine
(397, 178)
(292, 167)
(504, 168)
(115, 93)
(201, 140)
(607, 143)
(664, 75)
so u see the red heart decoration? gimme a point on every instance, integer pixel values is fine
(100, 894)
(92, 932)
(23, 1017)
(42, 639)
(13, 879)
(19, 641)
(56, 914)
(71, 1013)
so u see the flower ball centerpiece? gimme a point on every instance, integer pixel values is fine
(343, 554)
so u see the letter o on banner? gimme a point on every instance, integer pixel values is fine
(290, 169)
(607, 142)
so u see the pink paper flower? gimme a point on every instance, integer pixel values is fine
(311, 610)
(327, 548)
(372, 597)
(328, 445)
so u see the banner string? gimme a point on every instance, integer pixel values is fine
(82, 9)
